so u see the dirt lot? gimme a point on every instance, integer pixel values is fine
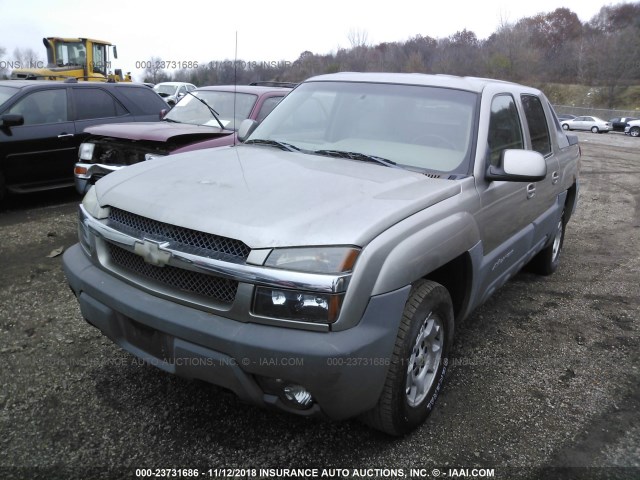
(545, 384)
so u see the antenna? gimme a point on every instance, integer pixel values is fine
(235, 87)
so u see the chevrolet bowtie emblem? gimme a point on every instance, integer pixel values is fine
(152, 252)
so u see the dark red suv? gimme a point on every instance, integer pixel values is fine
(205, 118)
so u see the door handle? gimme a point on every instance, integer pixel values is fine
(555, 177)
(65, 135)
(531, 190)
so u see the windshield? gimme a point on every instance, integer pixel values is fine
(70, 53)
(418, 127)
(165, 89)
(190, 110)
(6, 93)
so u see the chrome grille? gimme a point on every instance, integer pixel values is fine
(191, 241)
(220, 289)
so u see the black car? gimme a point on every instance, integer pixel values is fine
(42, 124)
(618, 123)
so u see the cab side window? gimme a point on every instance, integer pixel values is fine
(45, 106)
(505, 131)
(537, 124)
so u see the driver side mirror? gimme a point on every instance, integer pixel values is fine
(519, 166)
(246, 128)
(11, 120)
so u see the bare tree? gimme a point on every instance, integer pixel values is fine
(459, 54)
(27, 58)
(510, 54)
(154, 71)
(358, 37)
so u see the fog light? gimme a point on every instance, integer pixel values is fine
(298, 396)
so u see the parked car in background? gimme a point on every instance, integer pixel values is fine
(171, 92)
(566, 116)
(207, 118)
(42, 123)
(595, 124)
(618, 124)
(632, 128)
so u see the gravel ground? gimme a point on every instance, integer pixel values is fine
(545, 380)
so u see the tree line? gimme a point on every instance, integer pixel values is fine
(554, 47)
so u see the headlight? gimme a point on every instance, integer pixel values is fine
(299, 305)
(314, 259)
(91, 205)
(86, 151)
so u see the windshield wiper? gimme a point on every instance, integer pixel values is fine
(215, 114)
(363, 157)
(274, 143)
(170, 120)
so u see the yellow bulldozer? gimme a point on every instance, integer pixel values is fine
(79, 58)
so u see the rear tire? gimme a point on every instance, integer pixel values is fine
(565, 126)
(419, 361)
(546, 262)
(594, 130)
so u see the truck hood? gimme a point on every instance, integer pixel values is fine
(157, 131)
(272, 198)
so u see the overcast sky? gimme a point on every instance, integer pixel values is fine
(268, 31)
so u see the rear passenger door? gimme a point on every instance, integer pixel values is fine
(539, 140)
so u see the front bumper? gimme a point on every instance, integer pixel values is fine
(344, 371)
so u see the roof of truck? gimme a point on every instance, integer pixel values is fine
(473, 84)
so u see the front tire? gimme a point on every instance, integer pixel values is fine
(634, 132)
(419, 361)
(565, 126)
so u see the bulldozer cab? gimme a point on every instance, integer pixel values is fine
(79, 58)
